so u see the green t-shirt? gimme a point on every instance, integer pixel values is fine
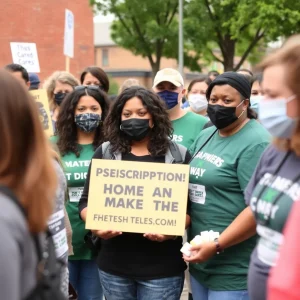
(219, 174)
(187, 128)
(76, 169)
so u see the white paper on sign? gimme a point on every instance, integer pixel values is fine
(69, 34)
(25, 54)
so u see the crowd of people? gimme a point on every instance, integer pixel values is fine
(240, 134)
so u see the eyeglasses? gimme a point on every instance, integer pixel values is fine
(88, 87)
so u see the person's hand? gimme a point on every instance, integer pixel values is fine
(158, 237)
(106, 234)
(201, 253)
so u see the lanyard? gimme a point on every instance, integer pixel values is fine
(203, 145)
(267, 217)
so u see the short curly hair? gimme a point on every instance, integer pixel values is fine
(160, 135)
(66, 129)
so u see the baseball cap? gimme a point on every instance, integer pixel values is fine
(169, 75)
(34, 80)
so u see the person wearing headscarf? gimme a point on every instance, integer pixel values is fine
(225, 156)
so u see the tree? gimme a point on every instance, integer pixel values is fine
(143, 26)
(222, 29)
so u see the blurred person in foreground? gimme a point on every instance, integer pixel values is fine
(275, 185)
(27, 169)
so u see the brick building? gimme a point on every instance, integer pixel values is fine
(42, 22)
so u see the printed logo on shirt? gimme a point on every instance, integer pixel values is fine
(283, 185)
(177, 138)
(211, 158)
(77, 164)
(270, 234)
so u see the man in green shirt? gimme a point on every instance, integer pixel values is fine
(169, 85)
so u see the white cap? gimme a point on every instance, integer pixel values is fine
(169, 75)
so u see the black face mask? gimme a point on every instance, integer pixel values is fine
(135, 129)
(59, 97)
(222, 116)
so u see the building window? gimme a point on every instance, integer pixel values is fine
(104, 57)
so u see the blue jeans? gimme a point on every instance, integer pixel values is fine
(84, 277)
(122, 288)
(202, 293)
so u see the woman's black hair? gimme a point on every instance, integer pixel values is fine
(99, 74)
(160, 135)
(66, 129)
(205, 79)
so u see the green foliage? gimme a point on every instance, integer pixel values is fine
(113, 87)
(238, 27)
(143, 26)
(214, 30)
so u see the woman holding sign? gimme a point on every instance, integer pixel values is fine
(225, 157)
(79, 133)
(133, 265)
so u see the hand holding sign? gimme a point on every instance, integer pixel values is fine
(137, 197)
(106, 234)
(158, 237)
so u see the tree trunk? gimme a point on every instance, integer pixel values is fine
(229, 49)
(155, 68)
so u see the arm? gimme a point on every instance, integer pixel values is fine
(10, 265)
(244, 225)
(242, 228)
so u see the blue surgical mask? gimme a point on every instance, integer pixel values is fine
(170, 98)
(254, 101)
(273, 116)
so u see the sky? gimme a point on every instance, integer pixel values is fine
(102, 19)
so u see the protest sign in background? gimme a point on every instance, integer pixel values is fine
(25, 54)
(138, 197)
(40, 96)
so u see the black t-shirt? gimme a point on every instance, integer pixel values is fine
(130, 254)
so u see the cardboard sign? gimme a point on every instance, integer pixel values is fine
(69, 34)
(138, 197)
(25, 54)
(40, 96)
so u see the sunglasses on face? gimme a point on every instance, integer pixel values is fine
(88, 87)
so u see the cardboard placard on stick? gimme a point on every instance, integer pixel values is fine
(40, 96)
(137, 197)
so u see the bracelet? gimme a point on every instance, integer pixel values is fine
(218, 247)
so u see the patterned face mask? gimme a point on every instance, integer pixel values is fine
(87, 122)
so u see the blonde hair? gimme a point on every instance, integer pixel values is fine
(26, 164)
(128, 83)
(289, 56)
(50, 82)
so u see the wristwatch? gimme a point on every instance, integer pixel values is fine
(218, 247)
